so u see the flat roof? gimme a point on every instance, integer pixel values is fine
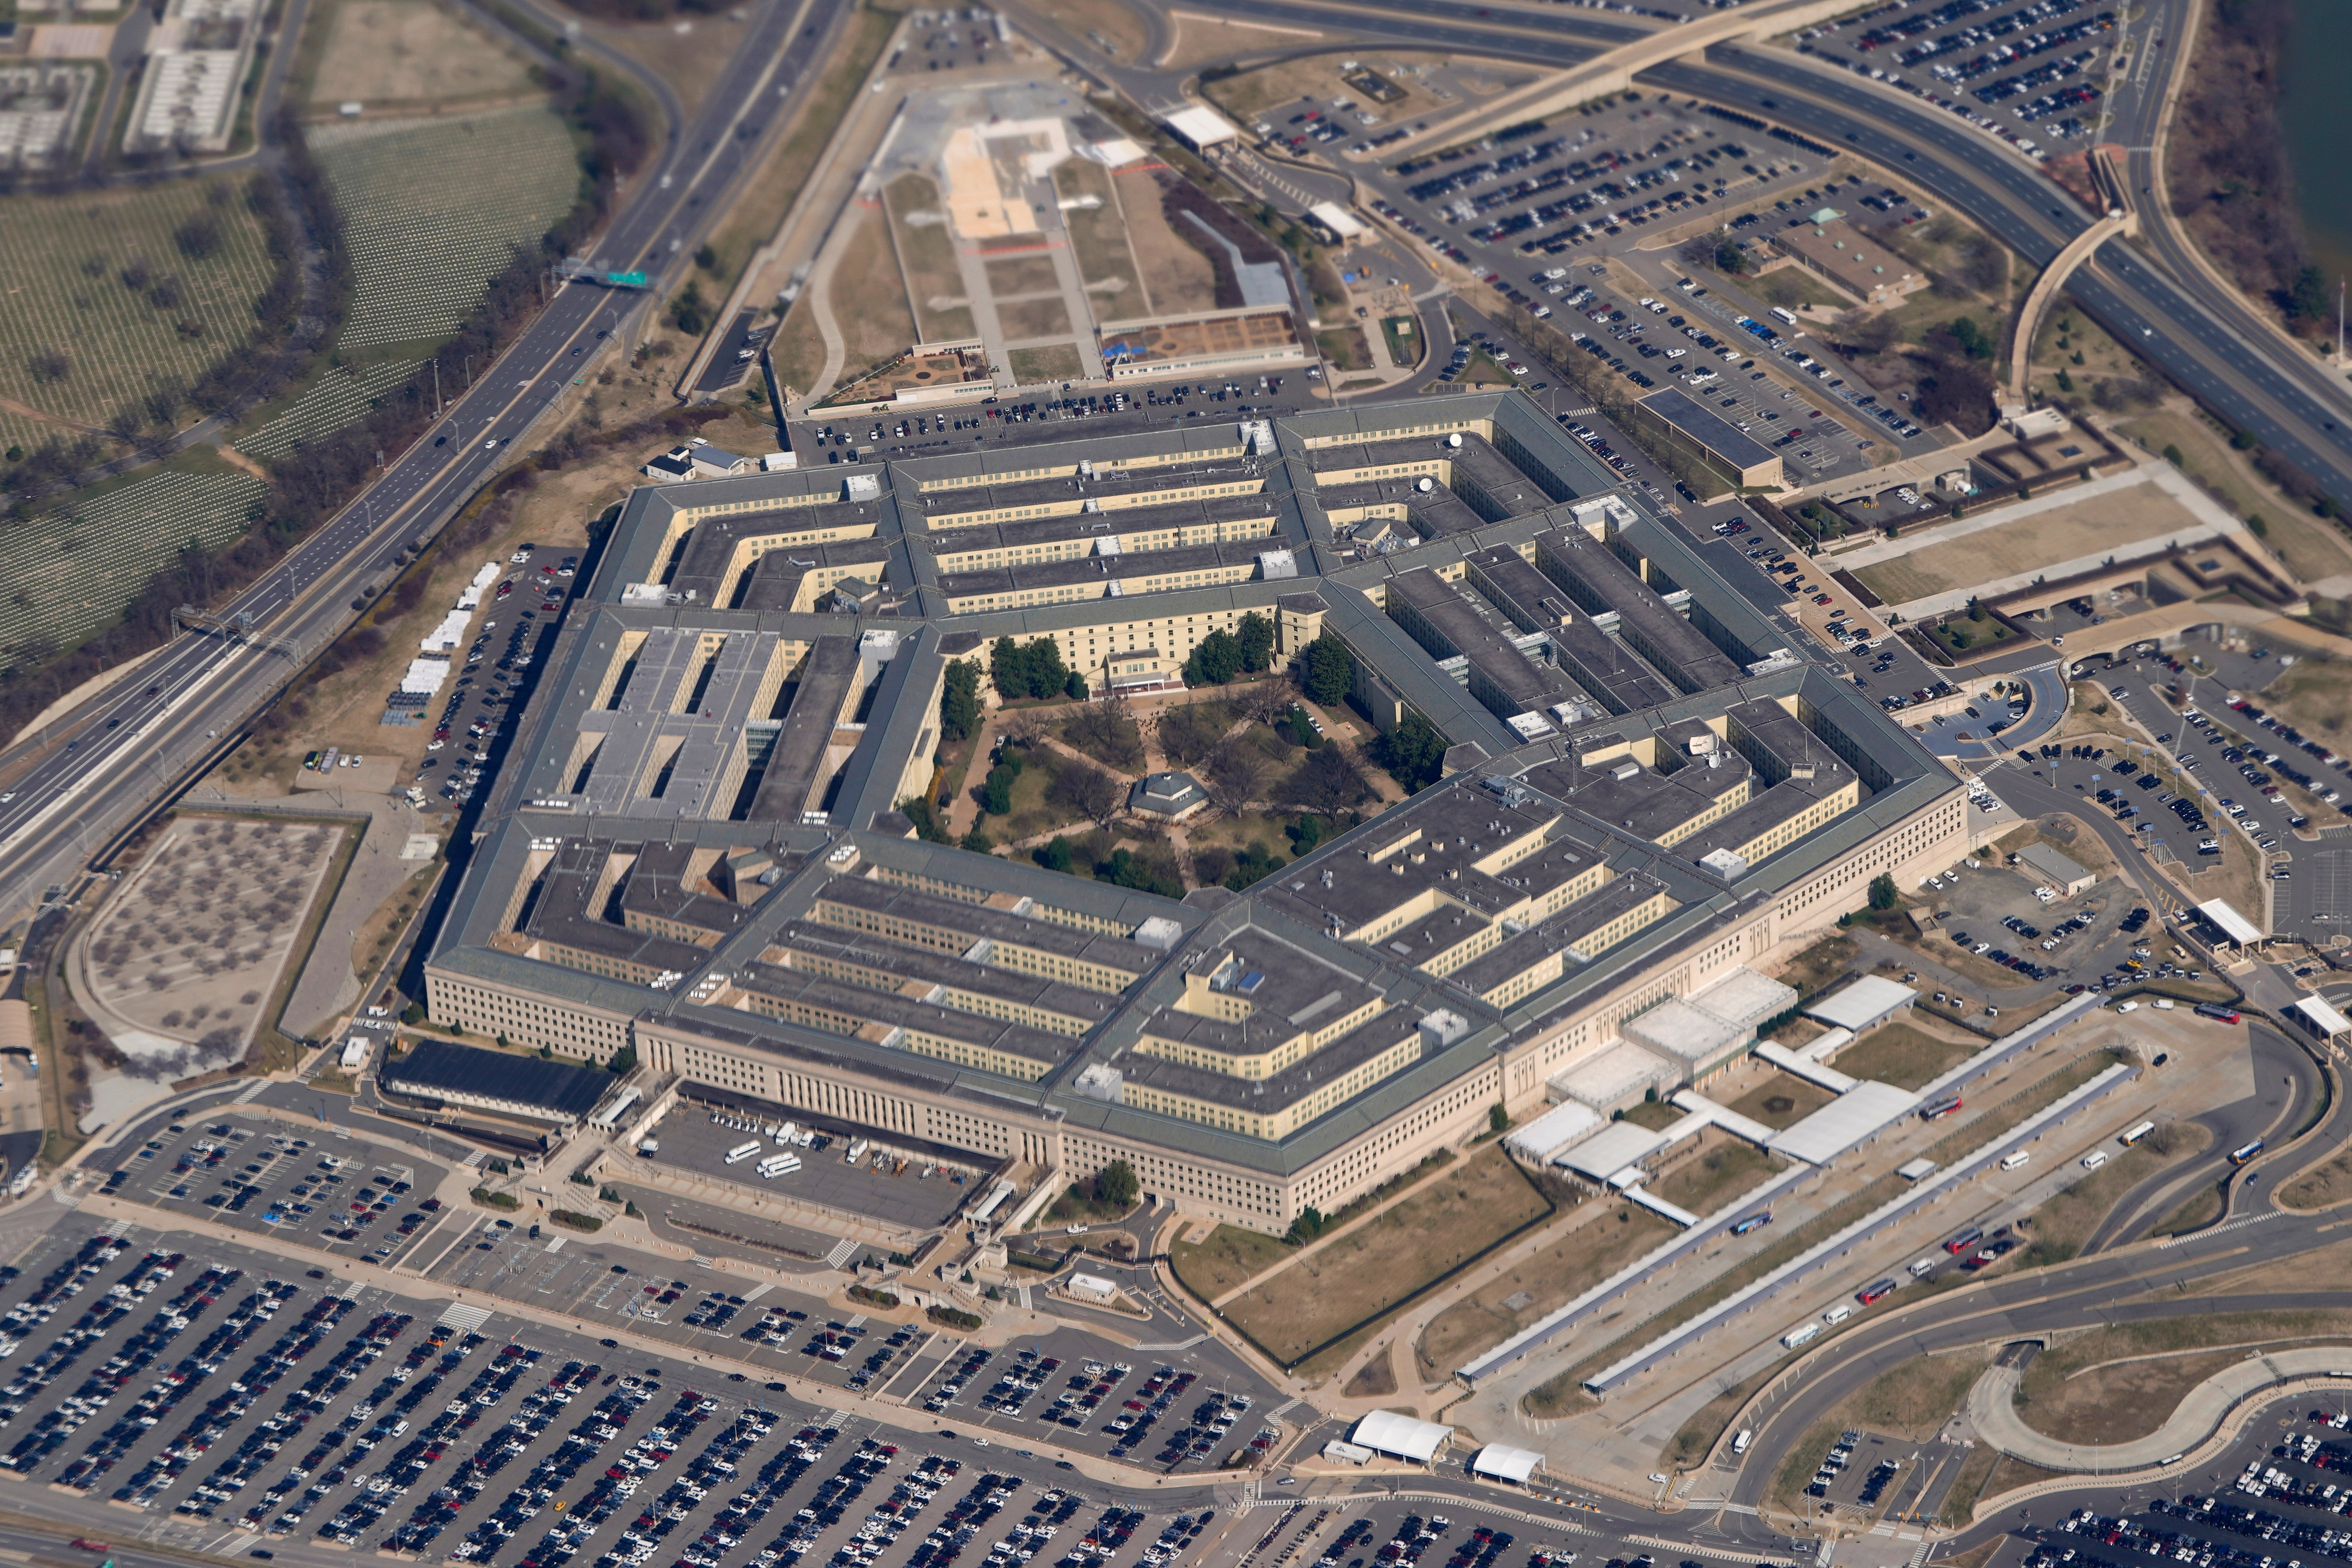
(1553, 1131)
(2049, 862)
(2230, 923)
(2324, 1016)
(1611, 1150)
(1859, 1113)
(1858, 1006)
(1718, 434)
(437, 1069)
(1202, 126)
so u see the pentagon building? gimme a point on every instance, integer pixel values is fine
(1658, 789)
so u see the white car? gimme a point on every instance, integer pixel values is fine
(492, 441)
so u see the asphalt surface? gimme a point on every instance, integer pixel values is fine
(133, 745)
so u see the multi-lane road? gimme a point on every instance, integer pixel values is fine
(191, 696)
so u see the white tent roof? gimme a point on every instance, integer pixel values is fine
(1506, 1464)
(1387, 1432)
(2323, 1017)
(2231, 924)
(1858, 1006)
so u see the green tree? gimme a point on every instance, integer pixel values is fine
(1116, 1184)
(1047, 674)
(1882, 894)
(1253, 865)
(1076, 687)
(1305, 833)
(2307, 300)
(1008, 667)
(918, 811)
(960, 700)
(622, 1061)
(1330, 670)
(708, 259)
(1729, 258)
(1255, 635)
(996, 789)
(1306, 1228)
(978, 842)
(1414, 752)
(1054, 854)
(1302, 732)
(1498, 1119)
(1217, 659)
(1125, 869)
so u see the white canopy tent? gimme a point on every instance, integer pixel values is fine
(1402, 1437)
(1515, 1465)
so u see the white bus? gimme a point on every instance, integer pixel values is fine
(775, 1166)
(1789, 317)
(2134, 1133)
(741, 1152)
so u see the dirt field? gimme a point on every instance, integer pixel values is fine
(2042, 538)
(1782, 1101)
(869, 303)
(1177, 276)
(1099, 239)
(407, 53)
(1034, 319)
(2320, 1187)
(1909, 1402)
(1903, 1055)
(1030, 366)
(1449, 1219)
(1595, 1247)
(2060, 1226)
(2085, 1392)
(201, 934)
(1202, 39)
(927, 255)
(2311, 549)
(1022, 275)
(1723, 1167)
(1227, 1258)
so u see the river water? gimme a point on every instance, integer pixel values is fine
(2317, 117)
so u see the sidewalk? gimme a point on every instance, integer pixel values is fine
(2201, 1413)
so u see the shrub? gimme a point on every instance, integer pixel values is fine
(950, 1317)
(871, 1298)
(572, 1221)
(489, 1200)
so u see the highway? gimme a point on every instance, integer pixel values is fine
(191, 696)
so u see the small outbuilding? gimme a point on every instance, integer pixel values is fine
(2055, 869)
(1174, 795)
(1202, 129)
(1092, 1288)
(2233, 927)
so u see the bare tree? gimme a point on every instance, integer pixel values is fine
(1190, 733)
(1232, 775)
(1026, 726)
(1268, 702)
(1326, 783)
(1104, 730)
(1089, 790)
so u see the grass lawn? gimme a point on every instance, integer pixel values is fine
(2084, 1391)
(1058, 362)
(1961, 634)
(1406, 345)
(2060, 1226)
(1909, 1402)
(1593, 1248)
(1345, 348)
(928, 254)
(1791, 288)
(1448, 1220)
(1903, 1055)
(1031, 813)
(1820, 964)
(869, 302)
(1098, 239)
(1781, 1100)
(1654, 1114)
(1230, 1257)
(1723, 1167)
(2320, 1186)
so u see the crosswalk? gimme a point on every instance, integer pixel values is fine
(464, 1319)
(842, 1251)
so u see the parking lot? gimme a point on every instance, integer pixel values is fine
(2030, 73)
(472, 726)
(339, 1193)
(894, 1185)
(486, 1441)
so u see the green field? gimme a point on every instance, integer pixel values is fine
(69, 573)
(433, 209)
(64, 259)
